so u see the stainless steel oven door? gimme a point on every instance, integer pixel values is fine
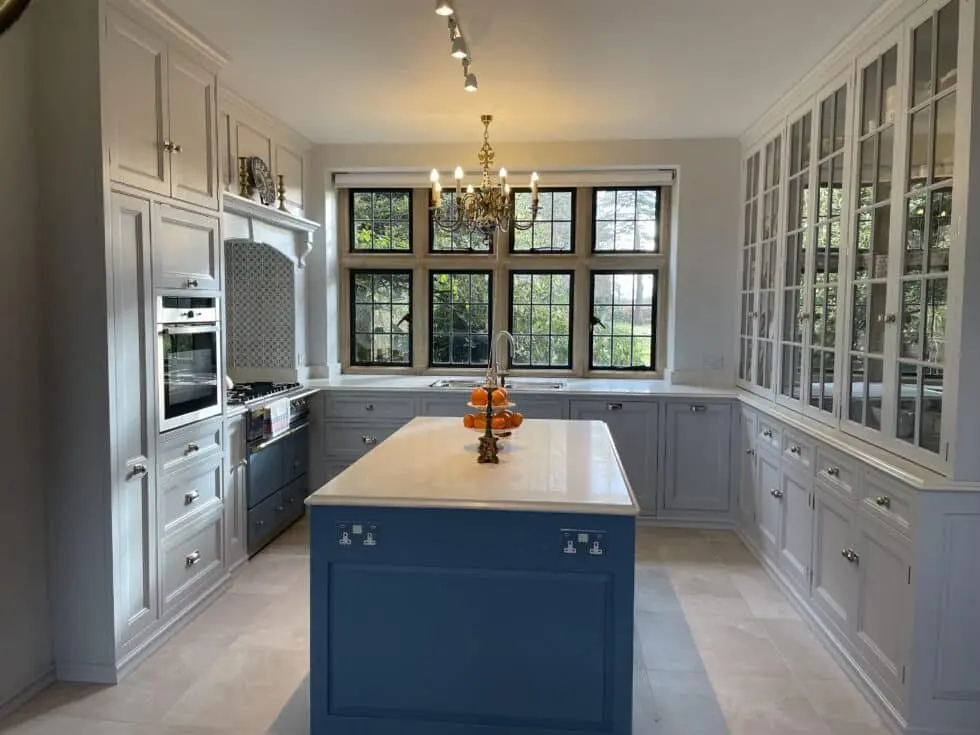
(188, 369)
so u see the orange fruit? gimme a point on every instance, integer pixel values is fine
(516, 419)
(478, 397)
(498, 422)
(480, 421)
(499, 397)
(468, 421)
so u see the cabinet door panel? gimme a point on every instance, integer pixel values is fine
(137, 117)
(834, 579)
(768, 510)
(186, 249)
(796, 533)
(135, 495)
(881, 619)
(748, 479)
(633, 425)
(192, 127)
(698, 457)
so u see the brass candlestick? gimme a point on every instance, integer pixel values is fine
(488, 442)
(244, 189)
(281, 188)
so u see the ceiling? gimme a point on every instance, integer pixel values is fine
(379, 71)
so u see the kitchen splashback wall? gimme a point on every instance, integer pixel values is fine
(260, 310)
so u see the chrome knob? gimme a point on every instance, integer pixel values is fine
(177, 148)
(191, 448)
(191, 283)
(698, 408)
(750, 452)
(138, 470)
(191, 497)
(191, 559)
(369, 407)
(168, 146)
(767, 433)
(833, 471)
(777, 494)
(369, 440)
(850, 555)
(614, 406)
(883, 501)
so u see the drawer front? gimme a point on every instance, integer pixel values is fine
(769, 434)
(797, 451)
(889, 501)
(183, 447)
(540, 407)
(293, 496)
(264, 521)
(837, 471)
(355, 440)
(366, 406)
(190, 563)
(189, 494)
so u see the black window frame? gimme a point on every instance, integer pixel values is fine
(352, 306)
(655, 272)
(511, 272)
(432, 237)
(352, 235)
(431, 273)
(659, 215)
(511, 233)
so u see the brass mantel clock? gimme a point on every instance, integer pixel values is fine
(10, 11)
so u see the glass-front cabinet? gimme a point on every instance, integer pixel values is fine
(848, 232)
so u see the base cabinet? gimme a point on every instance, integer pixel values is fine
(746, 490)
(633, 425)
(697, 460)
(768, 516)
(796, 528)
(834, 588)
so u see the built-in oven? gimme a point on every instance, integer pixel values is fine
(188, 359)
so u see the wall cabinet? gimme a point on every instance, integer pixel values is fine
(161, 114)
(187, 249)
(697, 460)
(634, 428)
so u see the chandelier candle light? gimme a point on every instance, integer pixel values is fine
(485, 209)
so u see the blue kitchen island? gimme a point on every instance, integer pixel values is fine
(451, 598)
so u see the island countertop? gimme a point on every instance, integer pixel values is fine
(546, 465)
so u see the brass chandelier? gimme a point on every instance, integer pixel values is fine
(485, 209)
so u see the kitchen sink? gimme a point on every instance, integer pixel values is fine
(530, 384)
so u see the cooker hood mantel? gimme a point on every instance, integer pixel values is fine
(249, 221)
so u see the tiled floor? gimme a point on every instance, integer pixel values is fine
(719, 651)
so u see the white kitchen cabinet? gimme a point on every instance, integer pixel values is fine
(235, 501)
(881, 623)
(134, 481)
(834, 588)
(634, 428)
(796, 528)
(768, 510)
(697, 460)
(137, 120)
(186, 249)
(161, 116)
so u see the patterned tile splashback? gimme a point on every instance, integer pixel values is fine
(261, 304)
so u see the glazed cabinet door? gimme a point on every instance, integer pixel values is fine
(796, 531)
(698, 459)
(633, 425)
(134, 485)
(137, 115)
(193, 157)
(186, 249)
(768, 517)
(834, 588)
(882, 616)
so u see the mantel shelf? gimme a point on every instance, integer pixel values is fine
(252, 221)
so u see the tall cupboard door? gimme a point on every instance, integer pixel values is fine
(193, 160)
(138, 118)
(768, 517)
(748, 480)
(633, 425)
(134, 494)
(186, 249)
(698, 458)
(834, 588)
(882, 628)
(796, 531)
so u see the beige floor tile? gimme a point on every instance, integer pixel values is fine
(132, 702)
(234, 610)
(736, 646)
(708, 591)
(734, 556)
(840, 701)
(755, 705)
(837, 727)
(654, 592)
(805, 655)
(685, 704)
(683, 555)
(762, 595)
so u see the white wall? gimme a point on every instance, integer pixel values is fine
(704, 257)
(25, 634)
